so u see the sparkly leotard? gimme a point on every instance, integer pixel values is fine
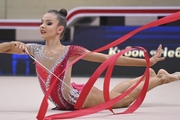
(45, 79)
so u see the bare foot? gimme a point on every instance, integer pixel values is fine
(152, 73)
(166, 77)
(178, 74)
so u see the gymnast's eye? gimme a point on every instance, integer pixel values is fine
(49, 23)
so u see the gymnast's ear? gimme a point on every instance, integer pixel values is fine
(60, 29)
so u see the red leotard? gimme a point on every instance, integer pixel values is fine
(45, 79)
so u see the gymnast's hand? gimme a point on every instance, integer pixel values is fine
(20, 46)
(157, 57)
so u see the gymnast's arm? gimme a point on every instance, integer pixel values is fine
(125, 61)
(13, 47)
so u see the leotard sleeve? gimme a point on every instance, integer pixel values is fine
(76, 51)
(33, 47)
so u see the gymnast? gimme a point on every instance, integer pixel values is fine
(55, 57)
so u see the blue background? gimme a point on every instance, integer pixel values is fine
(92, 37)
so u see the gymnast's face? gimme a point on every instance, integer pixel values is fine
(49, 27)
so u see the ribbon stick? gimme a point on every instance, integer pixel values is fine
(134, 106)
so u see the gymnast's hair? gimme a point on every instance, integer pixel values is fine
(61, 17)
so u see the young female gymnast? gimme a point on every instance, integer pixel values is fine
(55, 57)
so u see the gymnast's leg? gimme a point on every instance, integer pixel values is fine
(123, 86)
(96, 97)
(162, 77)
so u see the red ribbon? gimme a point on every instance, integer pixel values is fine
(107, 64)
(110, 62)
